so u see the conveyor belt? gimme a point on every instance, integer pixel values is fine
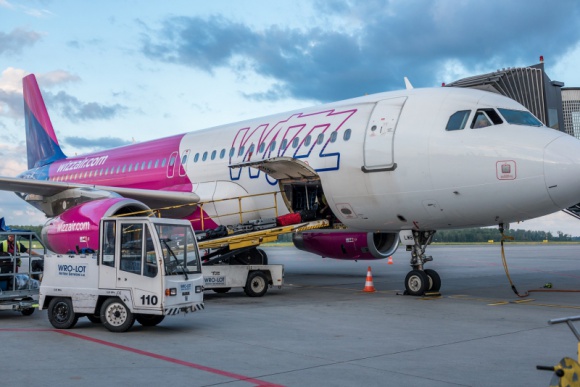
(255, 238)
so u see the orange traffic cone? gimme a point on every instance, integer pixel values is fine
(369, 287)
(390, 260)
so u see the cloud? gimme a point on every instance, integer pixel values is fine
(57, 77)
(76, 110)
(15, 41)
(11, 104)
(371, 45)
(95, 144)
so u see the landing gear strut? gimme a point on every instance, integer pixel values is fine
(419, 280)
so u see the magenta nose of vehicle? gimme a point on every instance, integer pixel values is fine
(562, 171)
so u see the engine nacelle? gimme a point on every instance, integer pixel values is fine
(79, 226)
(342, 244)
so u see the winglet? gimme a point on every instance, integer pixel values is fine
(408, 85)
(41, 143)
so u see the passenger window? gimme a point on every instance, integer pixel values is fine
(163, 162)
(124, 168)
(320, 138)
(272, 146)
(143, 165)
(284, 143)
(136, 167)
(213, 153)
(458, 120)
(333, 137)
(232, 152)
(295, 142)
(196, 157)
(251, 149)
(307, 140)
(241, 151)
(222, 153)
(346, 135)
(149, 164)
(204, 157)
(172, 161)
(480, 120)
(156, 163)
(184, 159)
(130, 167)
(262, 147)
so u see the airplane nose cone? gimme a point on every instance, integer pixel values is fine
(562, 171)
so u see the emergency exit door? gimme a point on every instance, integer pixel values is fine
(380, 135)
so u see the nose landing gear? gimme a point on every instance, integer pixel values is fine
(419, 281)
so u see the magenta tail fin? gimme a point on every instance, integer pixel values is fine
(41, 142)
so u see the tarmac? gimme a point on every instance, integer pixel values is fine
(321, 329)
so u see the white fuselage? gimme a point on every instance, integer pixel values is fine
(407, 173)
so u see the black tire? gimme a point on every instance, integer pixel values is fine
(434, 280)
(149, 320)
(416, 283)
(27, 311)
(256, 284)
(116, 316)
(222, 290)
(94, 318)
(61, 314)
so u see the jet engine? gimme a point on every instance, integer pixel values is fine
(78, 227)
(342, 244)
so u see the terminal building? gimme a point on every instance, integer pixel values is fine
(558, 107)
(571, 110)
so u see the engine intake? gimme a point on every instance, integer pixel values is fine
(341, 244)
(79, 226)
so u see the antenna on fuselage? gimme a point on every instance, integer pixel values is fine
(408, 85)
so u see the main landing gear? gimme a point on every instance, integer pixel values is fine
(419, 280)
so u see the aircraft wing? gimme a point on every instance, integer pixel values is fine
(152, 198)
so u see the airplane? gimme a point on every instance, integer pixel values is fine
(392, 167)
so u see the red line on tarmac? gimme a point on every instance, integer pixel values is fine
(172, 360)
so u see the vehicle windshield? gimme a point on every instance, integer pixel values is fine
(179, 249)
(519, 117)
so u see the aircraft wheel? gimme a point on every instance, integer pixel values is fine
(116, 316)
(221, 290)
(256, 285)
(149, 320)
(61, 314)
(434, 280)
(416, 282)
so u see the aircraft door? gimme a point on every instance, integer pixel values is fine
(171, 164)
(138, 267)
(380, 135)
(183, 162)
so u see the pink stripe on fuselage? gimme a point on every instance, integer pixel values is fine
(100, 168)
(35, 103)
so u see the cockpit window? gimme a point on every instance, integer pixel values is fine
(519, 117)
(458, 120)
(480, 120)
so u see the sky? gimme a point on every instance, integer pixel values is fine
(118, 72)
